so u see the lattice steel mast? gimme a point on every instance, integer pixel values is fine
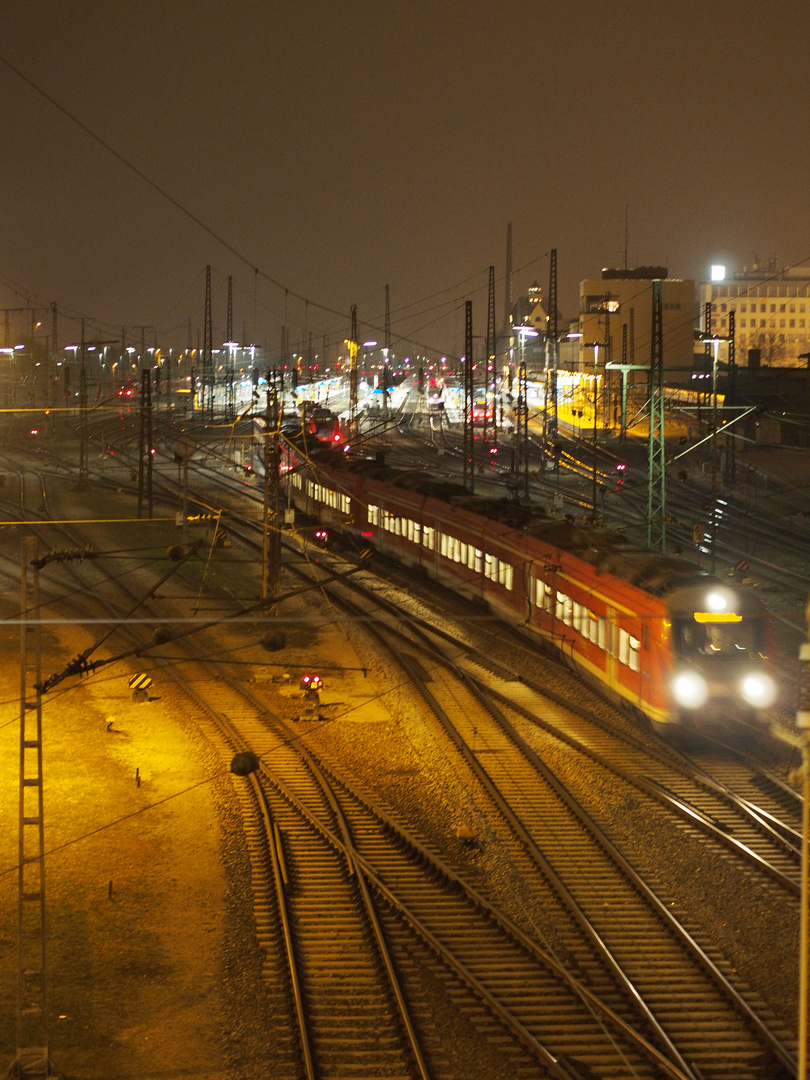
(656, 451)
(33, 1050)
(489, 377)
(352, 344)
(229, 344)
(731, 397)
(468, 442)
(83, 432)
(550, 414)
(386, 351)
(208, 352)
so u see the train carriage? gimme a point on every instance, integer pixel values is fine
(651, 632)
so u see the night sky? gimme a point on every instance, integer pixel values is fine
(339, 147)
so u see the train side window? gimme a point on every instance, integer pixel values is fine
(633, 659)
(373, 515)
(624, 647)
(462, 553)
(600, 622)
(417, 532)
(429, 537)
(443, 545)
(508, 578)
(470, 557)
(540, 594)
(560, 607)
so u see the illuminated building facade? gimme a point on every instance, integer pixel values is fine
(771, 313)
(615, 313)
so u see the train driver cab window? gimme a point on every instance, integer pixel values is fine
(717, 640)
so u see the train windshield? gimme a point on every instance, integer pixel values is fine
(722, 639)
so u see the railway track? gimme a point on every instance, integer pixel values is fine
(345, 887)
(741, 1056)
(603, 892)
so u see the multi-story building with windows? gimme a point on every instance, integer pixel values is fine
(771, 314)
(615, 313)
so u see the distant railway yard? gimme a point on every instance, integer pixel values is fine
(393, 830)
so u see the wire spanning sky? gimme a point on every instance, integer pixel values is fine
(317, 151)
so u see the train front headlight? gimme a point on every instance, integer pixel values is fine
(758, 689)
(689, 689)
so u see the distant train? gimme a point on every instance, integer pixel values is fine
(653, 632)
(314, 424)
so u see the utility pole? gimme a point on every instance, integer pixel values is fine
(469, 394)
(523, 423)
(145, 444)
(386, 352)
(352, 343)
(282, 361)
(656, 448)
(52, 371)
(550, 412)
(507, 300)
(208, 353)
(33, 1049)
(489, 364)
(731, 398)
(83, 470)
(271, 533)
(229, 344)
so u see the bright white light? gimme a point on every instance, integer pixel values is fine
(716, 602)
(759, 690)
(718, 273)
(689, 689)
(369, 344)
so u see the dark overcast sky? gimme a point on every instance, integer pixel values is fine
(341, 146)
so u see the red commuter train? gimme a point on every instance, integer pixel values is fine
(653, 632)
